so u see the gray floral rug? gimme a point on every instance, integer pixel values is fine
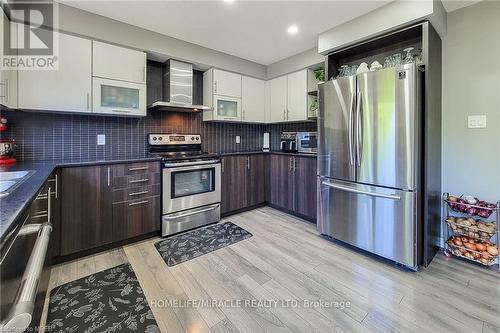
(195, 243)
(108, 301)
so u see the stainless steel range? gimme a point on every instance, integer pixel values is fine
(190, 182)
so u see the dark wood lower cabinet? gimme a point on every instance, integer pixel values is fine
(281, 181)
(135, 218)
(292, 184)
(233, 183)
(108, 203)
(256, 186)
(305, 183)
(243, 182)
(86, 211)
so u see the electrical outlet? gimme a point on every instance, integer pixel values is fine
(101, 139)
(476, 121)
(238, 139)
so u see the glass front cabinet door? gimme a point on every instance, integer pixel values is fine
(119, 97)
(227, 108)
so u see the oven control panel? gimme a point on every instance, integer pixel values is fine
(174, 139)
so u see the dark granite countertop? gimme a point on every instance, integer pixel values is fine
(269, 152)
(17, 202)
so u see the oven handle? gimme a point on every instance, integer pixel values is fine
(173, 164)
(21, 313)
(191, 212)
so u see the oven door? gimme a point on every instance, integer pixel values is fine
(187, 187)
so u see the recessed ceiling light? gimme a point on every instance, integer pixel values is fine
(293, 29)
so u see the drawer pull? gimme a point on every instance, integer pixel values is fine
(139, 168)
(138, 193)
(139, 181)
(41, 197)
(138, 203)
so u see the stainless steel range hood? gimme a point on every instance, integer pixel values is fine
(177, 89)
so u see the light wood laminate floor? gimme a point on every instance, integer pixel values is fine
(287, 261)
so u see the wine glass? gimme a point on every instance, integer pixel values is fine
(408, 59)
(397, 59)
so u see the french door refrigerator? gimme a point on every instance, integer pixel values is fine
(369, 162)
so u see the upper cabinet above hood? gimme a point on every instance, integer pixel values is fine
(177, 89)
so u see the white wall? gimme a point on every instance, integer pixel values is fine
(471, 86)
(294, 63)
(94, 26)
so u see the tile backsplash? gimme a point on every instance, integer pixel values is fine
(51, 136)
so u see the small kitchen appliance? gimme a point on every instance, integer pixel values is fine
(7, 146)
(191, 182)
(288, 142)
(307, 142)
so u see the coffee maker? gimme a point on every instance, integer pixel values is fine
(288, 142)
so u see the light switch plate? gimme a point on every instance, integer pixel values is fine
(101, 139)
(476, 121)
(238, 139)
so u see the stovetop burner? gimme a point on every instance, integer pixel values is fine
(177, 147)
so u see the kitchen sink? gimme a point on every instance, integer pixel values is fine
(10, 180)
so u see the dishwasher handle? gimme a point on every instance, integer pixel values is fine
(21, 313)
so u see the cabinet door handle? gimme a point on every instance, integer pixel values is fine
(215, 87)
(294, 164)
(139, 181)
(144, 74)
(49, 208)
(138, 193)
(290, 164)
(109, 176)
(138, 203)
(88, 101)
(248, 162)
(222, 164)
(57, 190)
(121, 111)
(139, 168)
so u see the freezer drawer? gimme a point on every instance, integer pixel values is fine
(375, 219)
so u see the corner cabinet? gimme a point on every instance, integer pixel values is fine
(292, 184)
(66, 89)
(248, 172)
(288, 97)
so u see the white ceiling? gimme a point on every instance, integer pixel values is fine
(253, 30)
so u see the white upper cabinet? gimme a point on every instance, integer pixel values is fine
(226, 83)
(278, 92)
(297, 96)
(66, 89)
(8, 78)
(118, 63)
(253, 100)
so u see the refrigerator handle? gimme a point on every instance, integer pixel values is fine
(353, 190)
(350, 126)
(359, 129)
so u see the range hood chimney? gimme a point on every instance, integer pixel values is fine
(177, 89)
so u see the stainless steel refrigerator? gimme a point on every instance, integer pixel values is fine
(369, 157)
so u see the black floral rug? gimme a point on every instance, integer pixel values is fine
(108, 301)
(195, 243)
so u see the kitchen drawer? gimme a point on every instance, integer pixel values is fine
(136, 192)
(138, 168)
(144, 179)
(135, 218)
